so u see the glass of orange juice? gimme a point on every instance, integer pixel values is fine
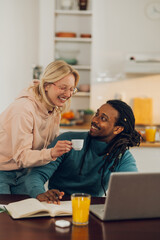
(150, 133)
(80, 208)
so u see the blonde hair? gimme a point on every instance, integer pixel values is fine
(54, 71)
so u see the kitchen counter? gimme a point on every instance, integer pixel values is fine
(147, 144)
(86, 127)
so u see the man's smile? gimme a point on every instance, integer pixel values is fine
(94, 126)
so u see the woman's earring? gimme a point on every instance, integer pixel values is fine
(46, 88)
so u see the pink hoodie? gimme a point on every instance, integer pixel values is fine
(26, 129)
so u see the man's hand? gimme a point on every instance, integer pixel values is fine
(51, 196)
(60, 148)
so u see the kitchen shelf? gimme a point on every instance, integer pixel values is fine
(78, 22)
(82, 40)
(73, 12)
(82, 94)
(82, 67)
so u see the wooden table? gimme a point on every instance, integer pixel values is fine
(44, 228)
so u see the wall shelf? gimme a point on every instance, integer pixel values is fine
(82, 94)
(82, 67)
(79, 22)
(73, 12)
(82, 40)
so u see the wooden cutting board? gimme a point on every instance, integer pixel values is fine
(143, 110)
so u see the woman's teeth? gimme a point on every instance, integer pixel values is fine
(63, 99)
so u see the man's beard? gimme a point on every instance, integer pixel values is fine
(100, 138)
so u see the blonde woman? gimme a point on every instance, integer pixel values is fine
(31, 123)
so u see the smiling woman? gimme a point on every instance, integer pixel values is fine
(63, 92)
(31, 123)
(63, 77)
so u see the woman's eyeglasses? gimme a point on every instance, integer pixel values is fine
(65, 89)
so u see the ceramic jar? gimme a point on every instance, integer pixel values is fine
(66, 4)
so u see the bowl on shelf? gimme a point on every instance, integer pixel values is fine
(84, 87)
(66, 4)
(68, 55)
(66, 34)
(85, 35)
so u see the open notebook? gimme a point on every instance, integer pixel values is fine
(130, 196)
(31, 207)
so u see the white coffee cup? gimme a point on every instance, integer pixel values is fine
(77, 144)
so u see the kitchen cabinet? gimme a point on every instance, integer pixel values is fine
(142, 63)
(147, 158)
(72, 20)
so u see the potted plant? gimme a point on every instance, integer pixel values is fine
(88, 114)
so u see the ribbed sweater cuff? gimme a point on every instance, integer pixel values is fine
(36, 191)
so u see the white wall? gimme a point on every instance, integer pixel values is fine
(46, 29)
(120, 27)
(147, 158)
(26, 28)
(19, 23)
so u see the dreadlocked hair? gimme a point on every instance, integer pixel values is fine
(129, 137)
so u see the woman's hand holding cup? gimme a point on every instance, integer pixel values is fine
(60, 148)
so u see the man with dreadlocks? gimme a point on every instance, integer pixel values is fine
(105, 150)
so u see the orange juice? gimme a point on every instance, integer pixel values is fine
(150, 134)
(80, 208)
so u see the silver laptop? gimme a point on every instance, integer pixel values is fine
(130, 196)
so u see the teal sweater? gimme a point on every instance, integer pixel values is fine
(64, 173)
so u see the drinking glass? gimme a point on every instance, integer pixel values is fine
(150, 133)
(80, 208)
